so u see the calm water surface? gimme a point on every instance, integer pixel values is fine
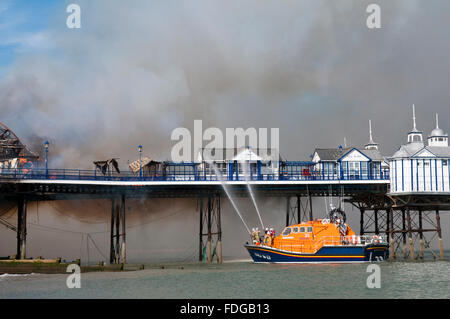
(428, 279)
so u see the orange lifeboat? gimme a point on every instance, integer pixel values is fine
(320, 240)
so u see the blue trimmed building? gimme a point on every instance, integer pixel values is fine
(419, 168)
(351, 163)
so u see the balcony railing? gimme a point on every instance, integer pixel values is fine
(180, 175)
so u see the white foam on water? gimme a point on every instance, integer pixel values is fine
(5, 276)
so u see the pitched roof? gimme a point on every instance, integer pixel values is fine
(440, 151)
(409, 150)
(334, 154)
(374, 155)
(331, 154)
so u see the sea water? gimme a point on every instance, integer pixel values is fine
(243, 279)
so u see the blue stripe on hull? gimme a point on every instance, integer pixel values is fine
(325, 254)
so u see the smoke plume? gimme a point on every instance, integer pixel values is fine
(133, 73)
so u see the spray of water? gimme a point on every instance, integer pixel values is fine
(225, 187)
(250, 189)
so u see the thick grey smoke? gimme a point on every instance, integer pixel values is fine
(133, 73)
(136, 71)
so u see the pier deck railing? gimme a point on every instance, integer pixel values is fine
(182, 176)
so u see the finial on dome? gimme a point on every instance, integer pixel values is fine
(415, 136)
(438, 137)
(371, 145)
(370, 132)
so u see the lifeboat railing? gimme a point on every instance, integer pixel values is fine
(307, 246)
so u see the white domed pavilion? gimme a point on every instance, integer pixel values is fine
(420, 168)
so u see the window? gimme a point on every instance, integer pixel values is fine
(353, 167)
(287, 231)
(364, 168)
(309, 229)
(295, 230)
(444, 162)
(302, 229)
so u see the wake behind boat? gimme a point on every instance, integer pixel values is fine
(328, 240)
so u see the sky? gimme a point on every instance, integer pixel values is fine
(137, 70)
(133, 73)
(23, 28)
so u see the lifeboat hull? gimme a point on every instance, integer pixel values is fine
(332, 254)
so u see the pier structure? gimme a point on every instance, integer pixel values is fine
(210, 229)
(420, 186)
(399, 196)
(410, 223)
(208, 193)
(117, 252)
(299, 207)
(419, 189)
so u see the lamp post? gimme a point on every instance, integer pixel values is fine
(140, 161)
(46, 144)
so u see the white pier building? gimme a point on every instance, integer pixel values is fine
(417, 168)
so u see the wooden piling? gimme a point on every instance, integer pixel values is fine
(311, 216)
(404, 234)
(117, 248)
(200, 241)
(377, 230)
(111, 249)
(219, 252)
(421, 245)
(288, 208)
(411, 245)
(21, 227)
(208, 244)
(124, 233)
(361, 222)
(390, 217)
(219, 231)
(439, 232)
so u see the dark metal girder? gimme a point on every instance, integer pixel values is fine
(59, 191)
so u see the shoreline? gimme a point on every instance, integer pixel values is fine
(55, 266)
(48, 266)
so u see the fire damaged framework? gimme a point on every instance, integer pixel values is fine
(12, 148)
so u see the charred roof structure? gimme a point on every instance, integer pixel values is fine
(147, 165)
(11, 147)
(108, 166)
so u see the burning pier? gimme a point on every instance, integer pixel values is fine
(401, 196)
